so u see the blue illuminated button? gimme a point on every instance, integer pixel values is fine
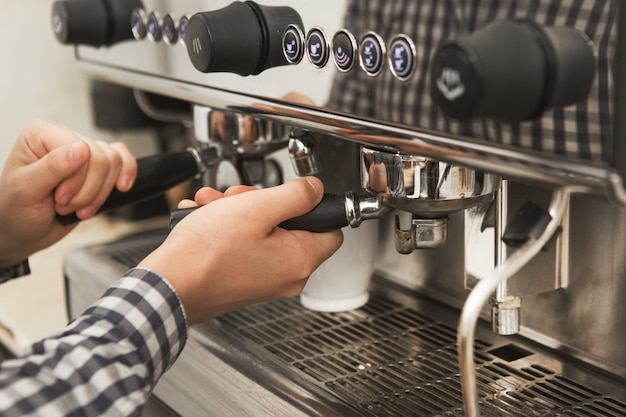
(293, 44)
(138, 24)
(170, 31)
(344, 50)
(371, 53)
(317, 47)
(402, 57)
(154, 27)
(183, 23)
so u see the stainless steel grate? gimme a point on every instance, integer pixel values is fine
(389, 360)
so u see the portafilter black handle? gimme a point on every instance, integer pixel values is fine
(329, 214)
(155, 175)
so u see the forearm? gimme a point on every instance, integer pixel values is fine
(105, 362)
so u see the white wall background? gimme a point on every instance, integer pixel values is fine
(39, 79)
(38, 76)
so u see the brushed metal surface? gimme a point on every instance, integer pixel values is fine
(395, 355)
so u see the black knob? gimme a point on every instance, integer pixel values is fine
(242, 38)
(512, 71)
(93, 22)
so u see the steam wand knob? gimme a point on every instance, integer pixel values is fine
(241, 38)
(511, 71)
(93, 22)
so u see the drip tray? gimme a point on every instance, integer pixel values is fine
(391, 359)
(396, 356)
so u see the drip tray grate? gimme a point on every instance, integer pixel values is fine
(389, 360)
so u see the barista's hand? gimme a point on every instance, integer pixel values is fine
(230, 252)
(205, 195)
(53, 170)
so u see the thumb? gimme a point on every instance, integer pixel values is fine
(59, 164)
(289, 200)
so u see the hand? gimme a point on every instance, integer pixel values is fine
(230, 253)
(52, 170)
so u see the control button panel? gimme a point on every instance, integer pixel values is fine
(317, 47)
(344, 50)
(371, 53)
(155, 28)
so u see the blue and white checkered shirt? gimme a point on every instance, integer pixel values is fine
(107, 361)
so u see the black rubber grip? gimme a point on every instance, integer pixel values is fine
(329, 214)
(155, 175)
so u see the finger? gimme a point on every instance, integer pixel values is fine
(102, 173)
(186, 203)
(59, 165)
(206, 195)
(310, 248)
(128, 172)
(49, 154)
(238, 189)
(39, 138)
(289, 200)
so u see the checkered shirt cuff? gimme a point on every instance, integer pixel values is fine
(16, 271)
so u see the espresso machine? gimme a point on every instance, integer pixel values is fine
(480, 142)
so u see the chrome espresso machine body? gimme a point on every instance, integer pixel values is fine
(482, 138)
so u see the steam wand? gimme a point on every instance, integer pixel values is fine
(482, 292)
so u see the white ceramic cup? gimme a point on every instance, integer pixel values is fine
(341, 283)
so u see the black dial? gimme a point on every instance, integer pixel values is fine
(93, 22)
(242, 38)
(512, 71)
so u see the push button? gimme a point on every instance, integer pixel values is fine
(317, 47)
(170, 31)
(402, 57)
(138, 24)
(293, 44)
(371, 53)
(183, 23)
(154, 27)
(344, 50)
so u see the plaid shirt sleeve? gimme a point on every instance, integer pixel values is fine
(105, 362)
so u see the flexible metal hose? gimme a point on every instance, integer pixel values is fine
(481, 293)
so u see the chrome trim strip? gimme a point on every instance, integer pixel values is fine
(412, 140)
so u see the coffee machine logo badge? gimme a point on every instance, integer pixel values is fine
(449, 84)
